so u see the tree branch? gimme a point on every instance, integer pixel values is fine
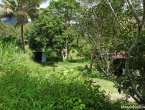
(143, 18)
(114, 13)
(134, 44)
(126, 91)
(134, 12)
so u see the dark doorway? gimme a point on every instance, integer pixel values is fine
(38, 56)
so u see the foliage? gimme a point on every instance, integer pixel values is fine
(7, 30)
(50, 32)
(21, 11)
(23, 92)
(26, 86)
(18, 9)
(45, 35)
(112, 26)
(98, 31)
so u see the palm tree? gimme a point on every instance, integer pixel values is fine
(21, 10)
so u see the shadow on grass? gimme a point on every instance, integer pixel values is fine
(79, 68)
(67, 63)
(92, 73)
(49, 63)
(76, 60)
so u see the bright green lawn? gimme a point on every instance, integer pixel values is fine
(78, 66)
(106, 85)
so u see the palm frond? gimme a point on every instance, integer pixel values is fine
(7, 2)
(16, 2)
(5, 9)
(8, 10)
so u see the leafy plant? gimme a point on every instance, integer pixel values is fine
(25, 85)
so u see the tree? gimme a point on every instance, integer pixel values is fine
(111, 29)
(51, 31)
(136, 87)
(22, 10)
(95, 26)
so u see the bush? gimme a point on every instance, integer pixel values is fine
(23, 86)
(19, 91)
(13, 60)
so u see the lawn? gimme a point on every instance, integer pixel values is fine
(78, 67)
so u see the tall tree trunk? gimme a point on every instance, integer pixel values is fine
(92, 57)
(64, 51)
(22, 38)
(64, 54)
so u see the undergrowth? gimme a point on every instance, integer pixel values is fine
(25, 86)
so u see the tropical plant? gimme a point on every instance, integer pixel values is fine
(22, 10)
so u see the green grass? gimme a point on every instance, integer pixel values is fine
(106, 85)
(78, 68)
(25, 84)
(69, 64)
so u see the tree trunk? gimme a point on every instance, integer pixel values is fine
(92, 57)
(140, 22)
(64, 54)
(64, 51)
(130, 50)
(22, 38)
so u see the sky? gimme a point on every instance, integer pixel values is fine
(0, 1)
(43, 5)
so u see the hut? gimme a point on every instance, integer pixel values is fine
(119, 63)
(40, 56)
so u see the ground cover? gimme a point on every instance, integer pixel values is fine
(25, 84)
(95, 76)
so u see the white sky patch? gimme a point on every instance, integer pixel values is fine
(1, 2)
(45, 4)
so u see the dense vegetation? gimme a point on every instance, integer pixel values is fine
(95, 31)
(98, 31)
(25, 85)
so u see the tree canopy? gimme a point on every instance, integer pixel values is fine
(50, 32)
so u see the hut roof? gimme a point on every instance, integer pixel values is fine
(118, 55)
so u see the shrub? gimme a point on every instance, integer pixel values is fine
(19, 91)
(25, 86)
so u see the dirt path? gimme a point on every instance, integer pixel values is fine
(116, 96)
(109, 89)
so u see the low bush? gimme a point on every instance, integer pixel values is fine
(25, 86)
(20, 91)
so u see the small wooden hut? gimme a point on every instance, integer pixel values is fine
(40, 56)
(119, 63)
